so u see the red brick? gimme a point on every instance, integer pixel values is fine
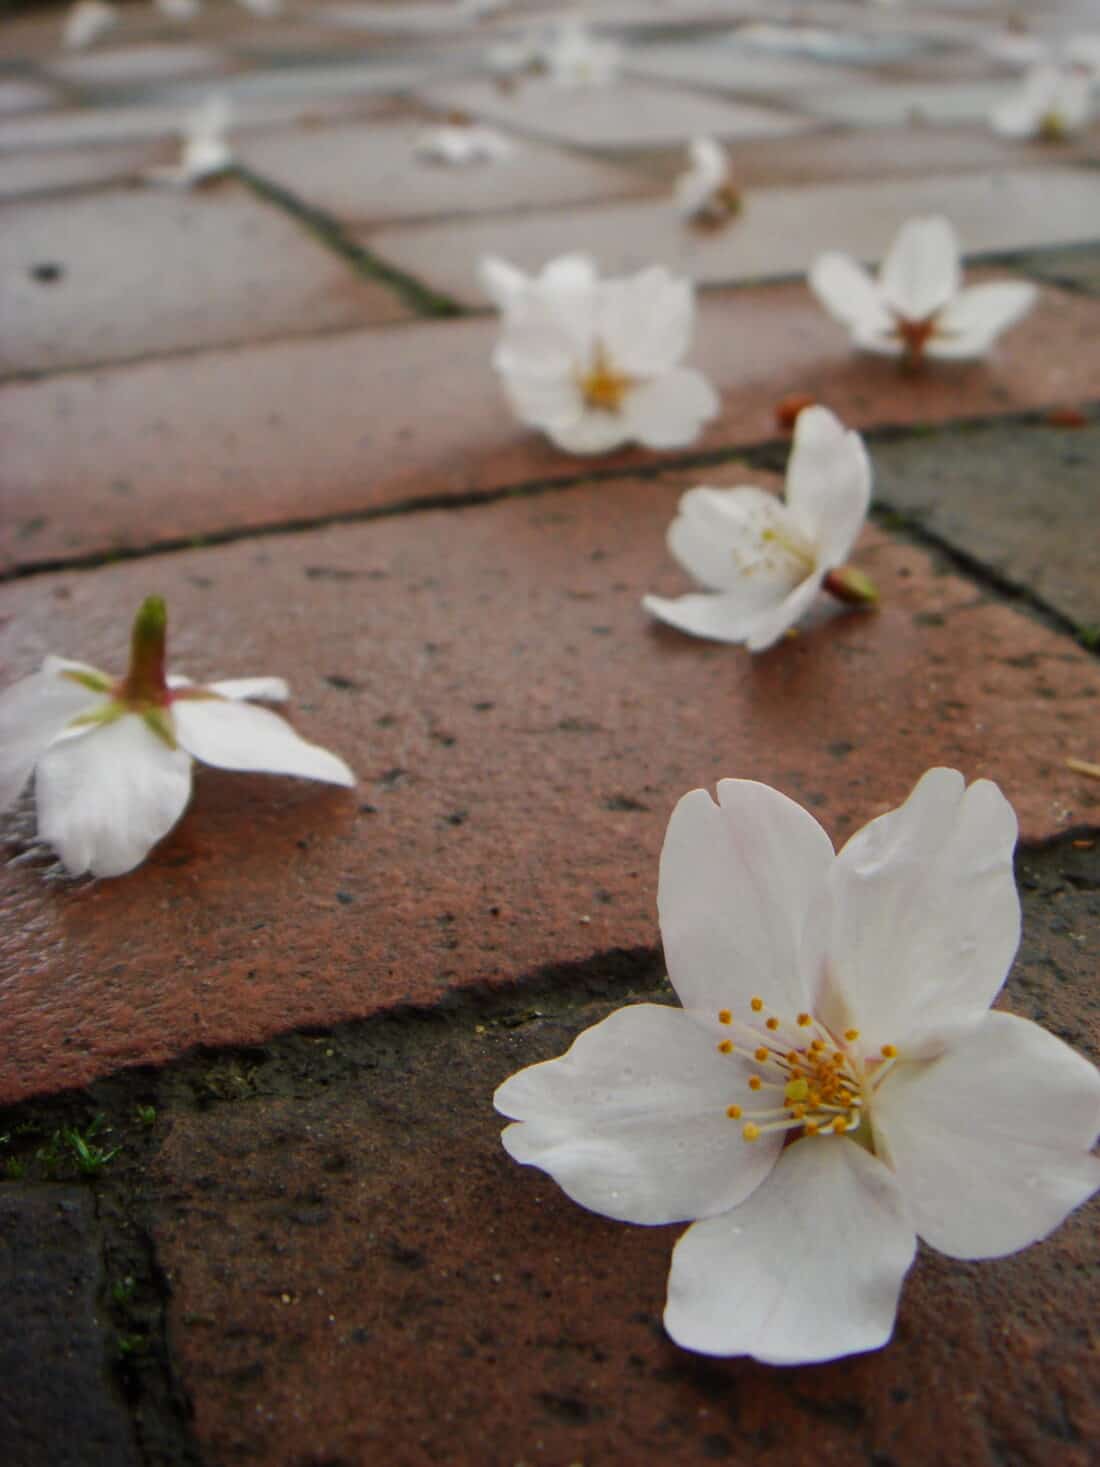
(521, 731)
(295, 430)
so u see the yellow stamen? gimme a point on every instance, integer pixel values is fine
(724, 1016)
(771, 1024)
(804, 1021)
(889, 1051)
(760, 1055)
(726, 1046)
(851, 1035)
(602, 386)
(734, 1112)
(751, 1132)
(755, 1082)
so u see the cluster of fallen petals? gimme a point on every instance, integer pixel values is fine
(834, 1085)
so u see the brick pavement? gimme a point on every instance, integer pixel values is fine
(270, 400)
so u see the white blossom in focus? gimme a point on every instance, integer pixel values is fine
(86, 22)
(204, 147)
(918, 306)
(705, 193)
(764, 559)
(111, 758)
(1052, 103)
(834, 1085)
(462, 144)
(596, 363)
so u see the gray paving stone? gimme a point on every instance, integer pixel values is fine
(1079, 268)
(134, 65)
(626, 114)
(894, 103)
(57, 1408)
(364, 171)
(20, 94)
(779, 233)
(703, 63)
(109, 277)
(1020, 499)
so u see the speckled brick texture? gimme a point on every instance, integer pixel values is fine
(520, 730)
(359, 1274)
(300, 430)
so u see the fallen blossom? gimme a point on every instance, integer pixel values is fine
(596, 363)
(463, 144)
(705, 193)
(204, 150)
(112, 758)
(1053, 102)
(86, 22)
(834, 1085)
(180, 11)
(763, 559)
(917, 307)
(573, 57)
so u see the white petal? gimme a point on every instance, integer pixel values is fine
(848, 293)
(232, 735)
(503, 283)
(736, 882)
(669, 411)
(267, 689)
(921, 271)
(590, 431)
(106, 796)
(828, 483)
(631, 1122)
(549, 401)
(750, 614)
(33, 712)
(808, 1268)
(968, 326)
(924, 915)
(645, 322)
(566, 293)
(990, 1143)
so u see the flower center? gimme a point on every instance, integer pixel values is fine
(815, 1084)
(602, 386)
(1052, 126)
(915, 335)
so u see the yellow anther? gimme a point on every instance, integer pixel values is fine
(734, 1112)
(840, 1125)
(750, 1131)
(760, 1055)
(772, 1024)
(756, 1004)
(724, 1016)
(889, 1051)
(798, 1111)
(755, 1082)
(812, 1128)
(817, 1045)
(804, 1021)
(851, 1035)
(796, 1089)
(792, 1056)
(726, 1046)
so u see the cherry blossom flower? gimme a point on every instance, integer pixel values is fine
(86, 22)
(596, 363)
(705, 194)
(204, 151)
(462, 144)
(917, 308)
(111, 758)
(764, 559)
(573, 57)
(1053, 102)
(834, 1085)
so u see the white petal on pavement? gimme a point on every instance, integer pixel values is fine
(828, 483)
(267, 689)
(645, 321)
(809, 1268)
(231, 735)
(848, 293)
(631, 1122)
(737, 880)
(924, 915)
(921, 271)
(968, 326)
(668, 411)
(107, 795)
(33, 712)
(991, 1142)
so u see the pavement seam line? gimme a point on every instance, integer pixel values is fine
(329, 232)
